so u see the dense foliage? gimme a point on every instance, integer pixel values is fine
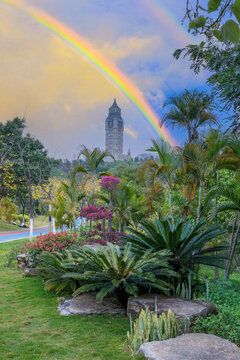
(107, 270)
(226, 324)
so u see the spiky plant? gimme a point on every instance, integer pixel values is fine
(58, 269)
(151, 327)
(188, 243)
(112, 270)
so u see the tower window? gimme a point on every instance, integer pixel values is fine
(110, 124)
(120, 124)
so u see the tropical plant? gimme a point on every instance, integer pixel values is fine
(190, 110)
(164, 168)
(110, 184)
(93, 159)
(189, 245)
(232, 195)
(128, 208)
(151, 327)
(57, 270)
(112, 270)
(67, 203)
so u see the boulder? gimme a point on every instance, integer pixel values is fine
(86, 304)
(182, 308)
(31, 271)
(22, 260)
(191, 347)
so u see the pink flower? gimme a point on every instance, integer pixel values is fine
(109, 183)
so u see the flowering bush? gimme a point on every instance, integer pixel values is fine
(50, 242)
(109, 183)
(94, 213)
(96, 236)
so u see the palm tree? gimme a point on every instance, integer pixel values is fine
(190, 110)
(93, 159)
(208, 157)
(164, 168)
(127, 207)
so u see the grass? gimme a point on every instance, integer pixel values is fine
(5, 226)
(31, 327)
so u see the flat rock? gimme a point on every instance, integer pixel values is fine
(31, 271)
(86, 304)
(191, 347)
(181, 307)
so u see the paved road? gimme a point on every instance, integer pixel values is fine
(21, 234)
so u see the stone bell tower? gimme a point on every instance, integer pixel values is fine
(114, 127)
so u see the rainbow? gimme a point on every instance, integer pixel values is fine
(166, 18)
(109, 70)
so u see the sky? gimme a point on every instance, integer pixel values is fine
(63, 98)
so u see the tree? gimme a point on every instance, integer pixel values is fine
(223, 64)
(223, 25)
(109, 184)
(190, 110)
(10, 133)
(34, 166)
(128, 208)
(164, 168)
(69, 196)
(92, 160)
(232, 195)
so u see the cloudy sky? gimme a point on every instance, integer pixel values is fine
(64, 98)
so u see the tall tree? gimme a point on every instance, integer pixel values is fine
(232, 204)
(190, 110)
(165, 168)
(93, 158)
(34, 165)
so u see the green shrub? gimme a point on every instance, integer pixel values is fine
(107, 270)
(188, 243)
(226, 324)
(12, 254)
(149, 327)
(26, 219)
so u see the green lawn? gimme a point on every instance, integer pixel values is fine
(31, 327)
(5, 226)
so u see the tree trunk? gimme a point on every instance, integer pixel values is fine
(111, 209)
(31, 215)
(54, 225)
(103, 229)
(232, 250)
(189, 135)
(50, 219)
(216, 202)
(23, 214)
(199, 201)
(171, 205)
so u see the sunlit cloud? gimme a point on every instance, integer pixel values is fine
(64, 99)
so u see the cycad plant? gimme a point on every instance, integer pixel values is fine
(112, 270)
(188, 243)
(58, 269)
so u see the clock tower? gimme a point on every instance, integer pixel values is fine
(114, 127)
